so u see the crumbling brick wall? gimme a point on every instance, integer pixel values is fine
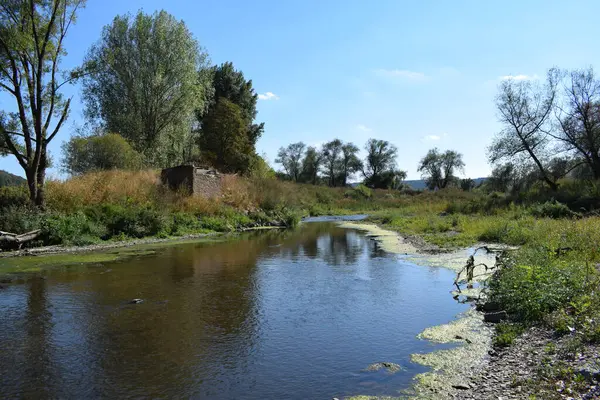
(196, 181)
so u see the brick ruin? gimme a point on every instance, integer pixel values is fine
(197, 181)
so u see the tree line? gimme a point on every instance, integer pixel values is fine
(151, 96)
(336, 162)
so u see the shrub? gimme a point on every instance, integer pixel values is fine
(506, 333)
(13, 196)
(360, 192)
(76, 229)
(552, 209)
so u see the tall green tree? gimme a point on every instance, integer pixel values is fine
(228, 83)
(224, 141)
(332, 152)
(349, 162)
(83, 154)
(311, 163)
(290, 158)
(32, 35)
(380, 165)
(439, 168)
(144, 84)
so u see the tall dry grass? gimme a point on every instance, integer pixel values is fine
(106, 187)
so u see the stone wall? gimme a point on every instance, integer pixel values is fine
(197, 181)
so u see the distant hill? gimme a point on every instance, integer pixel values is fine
(8, 179)
(419, 184)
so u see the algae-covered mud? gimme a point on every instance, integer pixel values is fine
(451, 367)
(314, 313)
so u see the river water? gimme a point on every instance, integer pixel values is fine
(271, 315)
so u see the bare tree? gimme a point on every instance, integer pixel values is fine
(578, 119)
(32, 37)
(524, 109)
(290, 158)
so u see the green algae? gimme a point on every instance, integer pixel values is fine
(390, 367)
(472, 337)
(31, 264)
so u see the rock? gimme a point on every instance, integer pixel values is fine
(589, 371)
(495, 317)
(462, 386)
(136, 301)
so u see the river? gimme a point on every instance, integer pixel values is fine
(270, 315)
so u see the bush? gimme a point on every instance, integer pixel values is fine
(537, 283)
(13, 196)
(132, 221)
(506, 333)
(360, 192)
(74, 229)
(552, 209)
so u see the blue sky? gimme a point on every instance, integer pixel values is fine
(417, 73)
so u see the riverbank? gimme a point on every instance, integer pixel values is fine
(473, 338)
(554, 352)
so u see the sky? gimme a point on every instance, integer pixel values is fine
(420, 74)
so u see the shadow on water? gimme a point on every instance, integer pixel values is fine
(279, 314)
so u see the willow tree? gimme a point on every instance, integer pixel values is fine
(32, 35)
(145, 84)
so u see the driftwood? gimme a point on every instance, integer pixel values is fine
(13, 239)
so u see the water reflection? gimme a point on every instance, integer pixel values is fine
(279, 314)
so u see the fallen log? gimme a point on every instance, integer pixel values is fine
(8, 238)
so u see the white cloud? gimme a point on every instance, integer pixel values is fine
(268, 96)
(403, 74)
(520, 77)
(363, 128)
(434, 138)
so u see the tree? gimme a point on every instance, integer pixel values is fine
(311, 163)
(331, 160)
(290, 158)
(380, 164)
(144, 84)
(467, 184)
(349, 162)
(224, 141)
(32, 35)
(578, 119)
(524, 109)
(99, 152)
(438, 169)
(229, 83)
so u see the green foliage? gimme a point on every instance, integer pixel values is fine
(360, 192)
(72, 229)
(229, 84)
(224, 138)
(537, 284)
(380, 165)
(439, 168)
(552, 209)
(13, 196)
(99, 152)
(506, 333)
(143, 83)
(290, 158)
